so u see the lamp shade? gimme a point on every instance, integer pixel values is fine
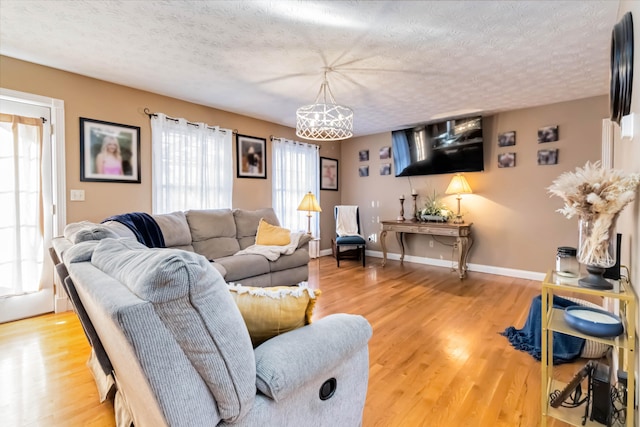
(458, 185)
(309, 203)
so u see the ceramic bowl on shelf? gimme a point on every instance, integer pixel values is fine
(593, 321)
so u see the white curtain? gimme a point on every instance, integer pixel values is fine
(192, 165)
(21, 221)
(296, 171)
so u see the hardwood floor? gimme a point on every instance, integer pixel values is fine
(436, 356)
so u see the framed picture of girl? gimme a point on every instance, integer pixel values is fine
(109, 152)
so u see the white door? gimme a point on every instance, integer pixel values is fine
(26, 216)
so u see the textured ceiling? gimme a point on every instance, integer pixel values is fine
(395, 63)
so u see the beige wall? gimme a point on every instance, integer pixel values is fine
(514, 220)
(96, 99)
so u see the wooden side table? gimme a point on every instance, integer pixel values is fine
(462, 233)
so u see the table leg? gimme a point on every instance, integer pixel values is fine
(383, 237)
(464, 244)
(400, 237)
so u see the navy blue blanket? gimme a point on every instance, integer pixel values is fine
(565, 347)
(143, 226)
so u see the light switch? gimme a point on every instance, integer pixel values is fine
(77, 195)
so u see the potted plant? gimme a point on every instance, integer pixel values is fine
(435, 210)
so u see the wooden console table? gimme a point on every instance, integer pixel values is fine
(462, 233)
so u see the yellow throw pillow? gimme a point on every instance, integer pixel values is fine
(271, 235)
(272, 311)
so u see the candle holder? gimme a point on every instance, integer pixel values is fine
(401, 217)
(415, 206)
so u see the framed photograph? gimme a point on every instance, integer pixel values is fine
(548, 134)
(328, 174)
(506, 160)
(363, 171)
(385, 169)
(506, 139)
(109, 152)
(548, 157)
(385, 153)
(251, 153)
(363, 155)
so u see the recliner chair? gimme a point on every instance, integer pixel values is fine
(348, 234)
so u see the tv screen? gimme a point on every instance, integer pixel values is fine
(444, 147)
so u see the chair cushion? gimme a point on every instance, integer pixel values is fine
(271, 311)
(350, 240)
(192, 301)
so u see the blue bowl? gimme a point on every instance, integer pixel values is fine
(594, 322)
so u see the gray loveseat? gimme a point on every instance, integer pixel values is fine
(218, 235)
(180, 353)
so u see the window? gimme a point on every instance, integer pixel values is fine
(295, 172)
(192, 165)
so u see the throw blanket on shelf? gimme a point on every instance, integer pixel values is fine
(143, 226)
(272, 253)
(347, 221)
(565, 347)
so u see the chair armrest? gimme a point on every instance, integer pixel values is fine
(287, 361)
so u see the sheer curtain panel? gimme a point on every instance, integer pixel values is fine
(296, 171)
(21, 221)
(192, 165)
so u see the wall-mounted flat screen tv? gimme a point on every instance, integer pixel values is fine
(444, 147)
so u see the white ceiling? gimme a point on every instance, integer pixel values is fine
(395, 63)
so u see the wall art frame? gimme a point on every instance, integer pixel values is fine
(328, 174)
(251, 157)
(109, 152)
(548, 134)
(507, 139)
(548, 157)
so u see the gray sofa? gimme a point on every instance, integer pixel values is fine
(218, 235)
(180, 353)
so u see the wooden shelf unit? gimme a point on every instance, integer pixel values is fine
(553, 320)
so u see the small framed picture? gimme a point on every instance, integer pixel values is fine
(251, 157)
(506, 139)
(363, 171)
(109, 152)
(328, 174)
(385, 169)
(363, 155)
(548, 157)
(548, 134)
(506, 160)
(385, 153)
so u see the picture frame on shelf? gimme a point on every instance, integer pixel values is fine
(328, 174)
(251, 156)
(109, 152)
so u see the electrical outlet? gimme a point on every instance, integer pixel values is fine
(430, 243)
(77, 195)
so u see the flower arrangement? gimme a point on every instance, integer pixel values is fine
(434, 207)
(596, 195)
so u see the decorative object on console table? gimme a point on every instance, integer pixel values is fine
(401, 217)
(414, 194)
(458, 186)
(109, 152)
(310, 204)
(435, 210)
(596, 195)
(251, 154)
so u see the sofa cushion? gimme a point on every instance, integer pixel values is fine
(272, 235)
(175, 229)
(247, 224)
(213, 232)
(271, 311)
(240, 266)
(297, 259)
(193, 302)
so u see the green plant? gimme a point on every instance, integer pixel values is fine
(433, 206)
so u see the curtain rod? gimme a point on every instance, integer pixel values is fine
(150, 114)
(271, 138)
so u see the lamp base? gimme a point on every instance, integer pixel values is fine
(458, 220)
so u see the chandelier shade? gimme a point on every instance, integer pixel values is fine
(324, 120)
